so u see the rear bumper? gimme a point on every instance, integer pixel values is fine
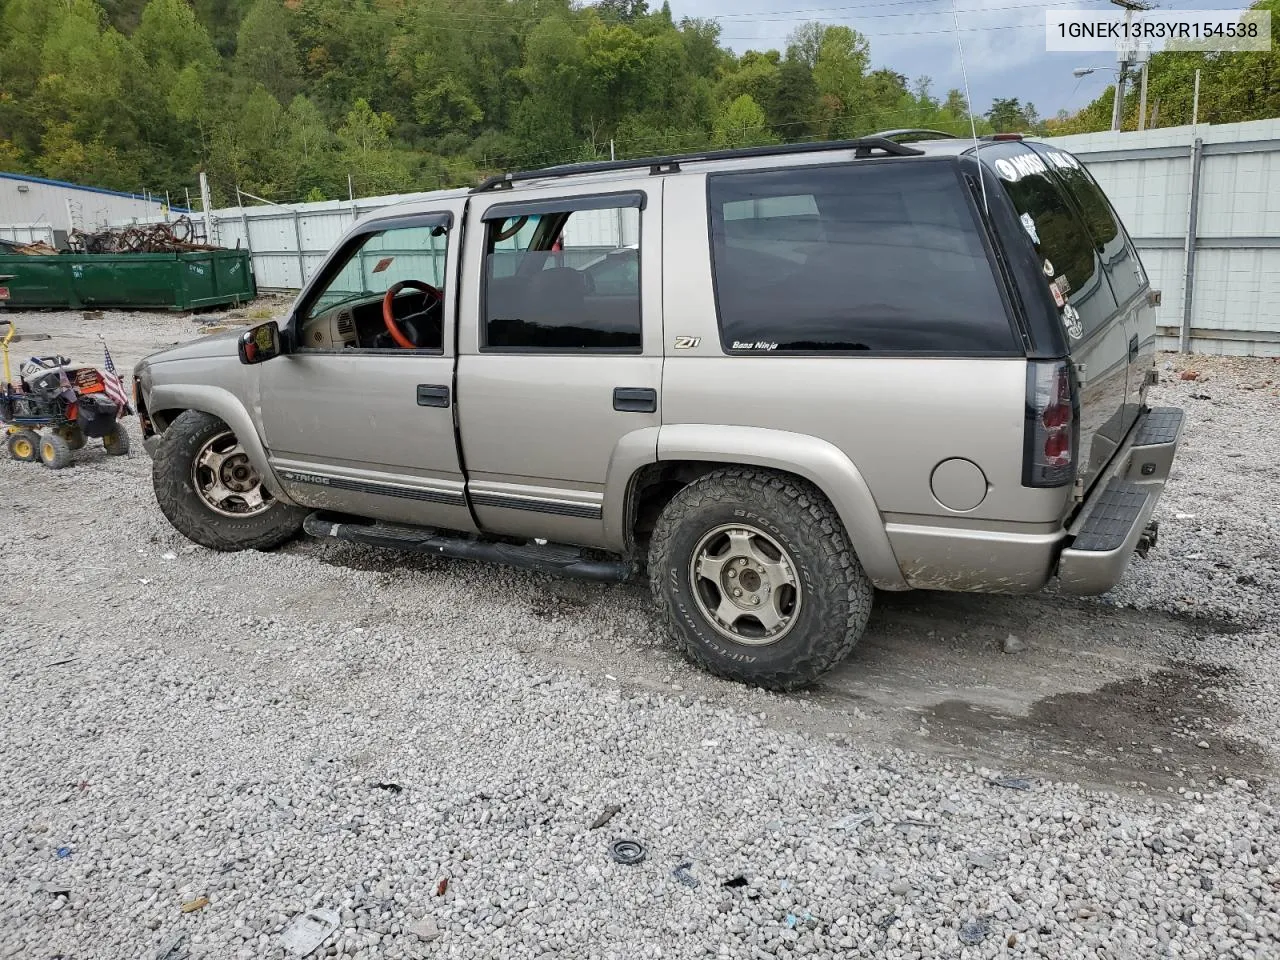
(1111, 525)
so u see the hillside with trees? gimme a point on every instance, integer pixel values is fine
(285, 99)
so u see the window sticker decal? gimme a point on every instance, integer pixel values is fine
(1030, 226)
(1071, 321)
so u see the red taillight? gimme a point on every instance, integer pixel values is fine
(1057, 447)
(1051, 432)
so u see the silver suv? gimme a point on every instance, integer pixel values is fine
(776, 378)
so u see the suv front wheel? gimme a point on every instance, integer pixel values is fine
(756, 580)
(211, 492)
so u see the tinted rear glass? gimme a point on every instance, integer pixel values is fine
(1119, 259)
(1061, 240)
(879, 257)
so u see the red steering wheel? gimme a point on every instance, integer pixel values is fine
(389, 317)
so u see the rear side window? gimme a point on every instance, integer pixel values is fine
(1062, 243)
(882, 257)
(1119, 259)
(563, 282)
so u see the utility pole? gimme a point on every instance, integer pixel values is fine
(1128, 57)
(1118, 101)
(1142, 97)
(1195, 101)
(206, 203)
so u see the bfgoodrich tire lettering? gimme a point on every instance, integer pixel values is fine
(173, 476)
(835, 594)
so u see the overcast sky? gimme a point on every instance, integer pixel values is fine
(1004, 41)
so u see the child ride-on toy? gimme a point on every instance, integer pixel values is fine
(55, 406)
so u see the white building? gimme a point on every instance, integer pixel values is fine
(44, 204)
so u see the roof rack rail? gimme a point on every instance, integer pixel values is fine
(921, 134)
(861, 147)
(994, 137)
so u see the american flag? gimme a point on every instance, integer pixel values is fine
(112, 383)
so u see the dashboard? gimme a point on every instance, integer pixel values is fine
(357, 324)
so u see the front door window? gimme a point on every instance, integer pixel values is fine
(386, 294)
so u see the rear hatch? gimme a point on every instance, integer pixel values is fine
(1092, 272)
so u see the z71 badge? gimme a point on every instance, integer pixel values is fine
(687, 343)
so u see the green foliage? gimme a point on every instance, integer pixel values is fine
(365, 139)
(1012, 116)
(1233, 87)
(741, 124)
(287, 99)
(265, 52)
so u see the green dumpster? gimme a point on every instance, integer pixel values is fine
(169, 281)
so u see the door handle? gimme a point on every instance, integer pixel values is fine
(433, 395)
(1133, 348)
(635, 399)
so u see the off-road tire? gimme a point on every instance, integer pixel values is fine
(55, 453)
(116, 443)
(836, 593)
(24, 445)
(172, 479)
(73, 435)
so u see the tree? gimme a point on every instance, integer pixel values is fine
(1012, 116)
(11, 157)
(756, 75)
(842, 58)
(265, 52)
(169, 38)
(805, 43)
(794, 106)
(741, 124)
(366, 152)
(956, 104)
(626, 11)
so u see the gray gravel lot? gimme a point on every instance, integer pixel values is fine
(335, 727)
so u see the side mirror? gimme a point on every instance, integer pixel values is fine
(261, 343)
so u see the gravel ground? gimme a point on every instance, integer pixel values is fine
(423, 746)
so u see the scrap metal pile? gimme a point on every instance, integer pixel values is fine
(175, 237)
(37, 248)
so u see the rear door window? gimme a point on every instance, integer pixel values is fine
(1062, 242)
(880, 257)
(1113, 245)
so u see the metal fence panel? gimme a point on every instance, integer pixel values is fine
(27, 232)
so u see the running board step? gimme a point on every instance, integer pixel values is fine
(1114, 514)
(1160, 425)
(550, 558)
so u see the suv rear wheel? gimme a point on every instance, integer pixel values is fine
(756, 580)
(211, 492)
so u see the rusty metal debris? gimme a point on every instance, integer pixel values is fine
(175, 237)
(37, 248)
